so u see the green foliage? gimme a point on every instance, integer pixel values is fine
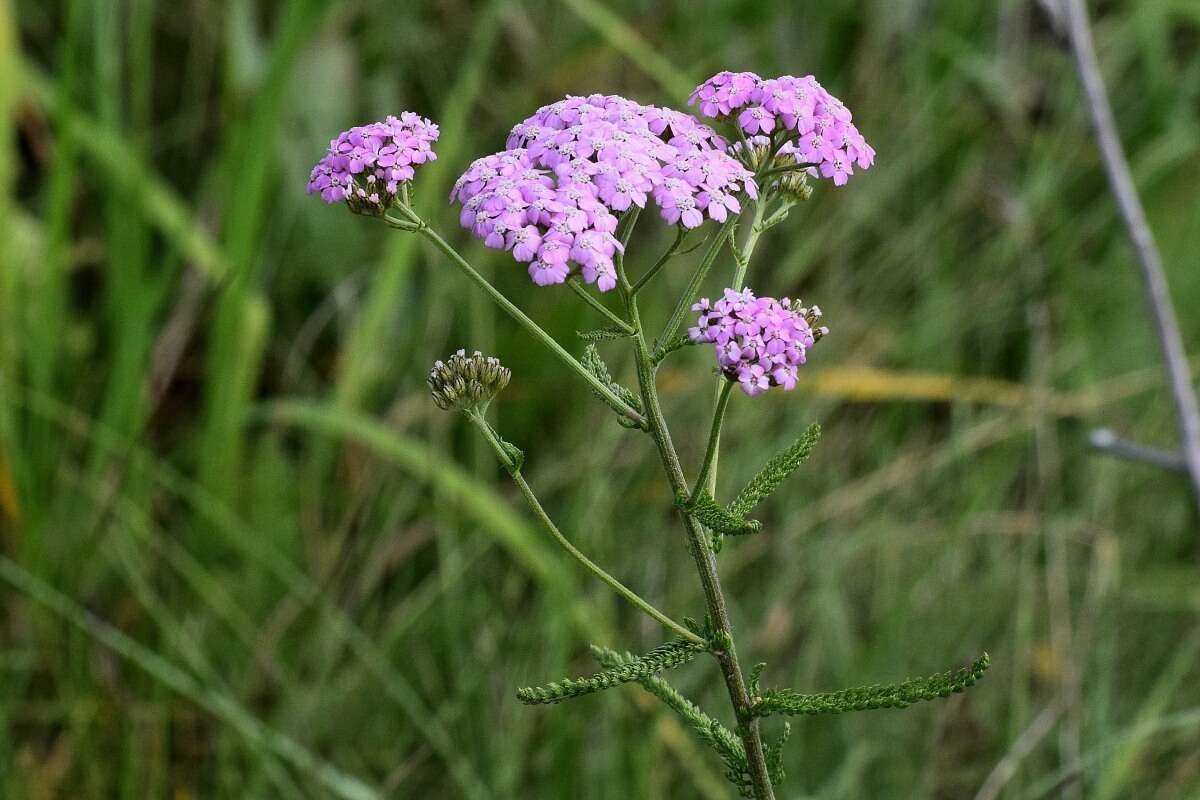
(775, 472)
(594, 364)
(603, 334)
(724, 742)
(665, 656)
(716, 517)
(863, 698)
(775, 756)
(677, 343)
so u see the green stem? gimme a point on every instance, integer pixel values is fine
(689, 294)
(708, 475)
(536, 507)
(579, 289)
(756, 229)
(698, 546)
(607, 394)
(658, 265)
(742, 260)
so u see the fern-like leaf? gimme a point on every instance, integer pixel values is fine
(603, 334)
(717, 518)
(670, 346)
(665, 656)
(769, 478)
(774, 756)
(722, 740)
(896, 695)
(595, 364)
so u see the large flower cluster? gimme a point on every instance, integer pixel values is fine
(552, 197)
(759, 341)
(799, 110)
(366, 165)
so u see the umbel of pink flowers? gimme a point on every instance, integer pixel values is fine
(760, 341)
(552, 198)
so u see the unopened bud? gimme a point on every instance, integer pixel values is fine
(464, 382)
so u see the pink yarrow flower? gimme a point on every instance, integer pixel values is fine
(759, 341)
(569, 170)
(366, 165)
(818, 126)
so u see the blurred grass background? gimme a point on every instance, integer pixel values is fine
(245, 556)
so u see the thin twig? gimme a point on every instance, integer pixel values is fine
(1116, 167)
(1107, 442)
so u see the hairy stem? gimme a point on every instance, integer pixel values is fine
(542, 517)
(607, 394)
(697, 540)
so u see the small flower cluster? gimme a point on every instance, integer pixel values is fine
(815, 122)
(465, 382)
(552, 197)
(759, 341)
(367, 164)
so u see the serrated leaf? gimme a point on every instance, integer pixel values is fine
(717, 518)
(665, 656)
(664, 350)
(769, 478)
(594, 364)
(774, 757)
(603, 334)
(722, 740)
(863, 698)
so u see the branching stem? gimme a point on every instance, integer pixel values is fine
(606, 393)
(658, 265)
(697, 539)
(587, 297)
(689, 294)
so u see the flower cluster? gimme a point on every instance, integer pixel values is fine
(551, 198)
(759, 341)
(814, 122)
(466, 382)
(367, 164)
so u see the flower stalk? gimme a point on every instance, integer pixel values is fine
(513, 467)
(531, 327)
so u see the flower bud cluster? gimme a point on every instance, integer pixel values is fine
(467, 382)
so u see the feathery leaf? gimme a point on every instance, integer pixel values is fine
(774, 756)
(716, 517)
(602, 334)
(781, 465)
(666, 348)
(595, 364)
(722, 740)
(665, 656)
(862, 698)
